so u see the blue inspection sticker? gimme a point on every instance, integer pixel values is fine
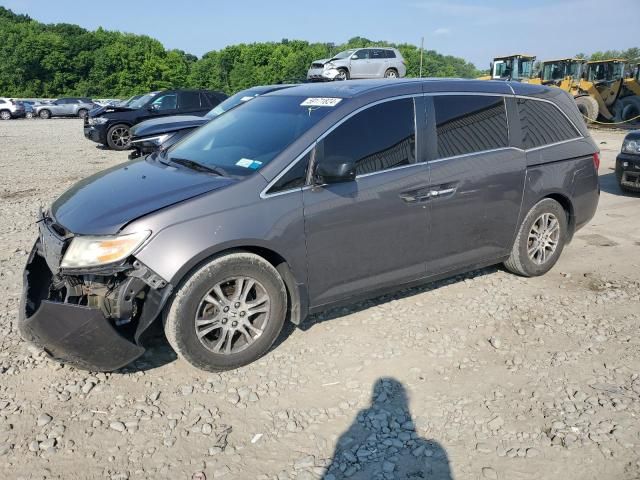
(248, 163)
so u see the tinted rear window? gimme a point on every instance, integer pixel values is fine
(469, 124)
(543, 123)
(390, 54)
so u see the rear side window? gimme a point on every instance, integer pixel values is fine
(190, 100)
(213, 100)
(543, 123)
(377, 54)
(378, 138)
(390, 54)
(470, 124)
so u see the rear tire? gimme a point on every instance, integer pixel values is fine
(540, 240)
(391, 73)
(28, 115)
(119, 137)
(44, 114)
(5, 115)
(207, 325)
(588, 107)
(627, 108)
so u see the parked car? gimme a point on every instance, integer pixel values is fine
(161, 133)
(111, 125)
(10, 108)
(375, 62)
(64, 107)
(300, 200)
(28, 108)
(628, 163)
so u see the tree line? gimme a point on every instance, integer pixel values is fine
(52, 60)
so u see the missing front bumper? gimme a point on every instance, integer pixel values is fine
(79, 335)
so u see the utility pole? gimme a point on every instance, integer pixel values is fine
(421, 52)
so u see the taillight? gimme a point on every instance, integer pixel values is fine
(596, 160)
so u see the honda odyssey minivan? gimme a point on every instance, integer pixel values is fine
(302, 199)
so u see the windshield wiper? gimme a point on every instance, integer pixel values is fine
(196, 166)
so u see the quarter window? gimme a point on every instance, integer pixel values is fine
(542, 123)
(378, 138)
(190, 100)
(295, 176)
(390, 54)
(470, 124)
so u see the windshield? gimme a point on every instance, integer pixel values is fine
(234, 101)
(345, 54)
(141, 101)
(245, 139)
(129, 101)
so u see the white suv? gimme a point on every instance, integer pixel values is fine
(373, 62)
(10, 108)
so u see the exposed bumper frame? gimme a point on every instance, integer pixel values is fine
(79, 335)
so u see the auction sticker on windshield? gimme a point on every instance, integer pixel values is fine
(320, 102)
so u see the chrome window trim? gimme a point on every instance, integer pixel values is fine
(264, 194)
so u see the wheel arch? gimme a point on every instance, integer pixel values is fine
(566, 203)
(297, 303)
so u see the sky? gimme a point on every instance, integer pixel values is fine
(474, 30)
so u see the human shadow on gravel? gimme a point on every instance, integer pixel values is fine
(382, 442)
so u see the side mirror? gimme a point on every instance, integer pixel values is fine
(152, 108)
(335, 170)
(354, 56)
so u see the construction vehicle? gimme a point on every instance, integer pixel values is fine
(563, 73)
(517, 68)
(628, 106)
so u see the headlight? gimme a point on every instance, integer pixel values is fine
(631, 146)
(156, 140)
(328, 66)
(87, 251)
(98, 120)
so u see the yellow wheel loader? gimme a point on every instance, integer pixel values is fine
(602, 83)
(517, 68)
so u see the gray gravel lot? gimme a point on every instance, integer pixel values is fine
(487, 375)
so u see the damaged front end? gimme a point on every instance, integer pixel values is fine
(91, 318)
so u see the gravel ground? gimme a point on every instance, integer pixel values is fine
(489, 375)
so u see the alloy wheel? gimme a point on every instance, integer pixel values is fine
(120, 136)
(543, 239)
(391, 74)
(232, 315)
(5, 115)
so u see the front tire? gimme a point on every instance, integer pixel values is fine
(5, 115)
(540, 240)
(28, 115)
(44, 114)
(82, 113)
(119, 137)
(588, 107)
(227, 313)
(343, 74)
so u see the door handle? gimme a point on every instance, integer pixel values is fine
(440, 193)
(416, 196)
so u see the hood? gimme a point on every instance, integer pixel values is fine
(105, 202)
(633, 135)
(322, 61)
(158, 126)
(95, 112)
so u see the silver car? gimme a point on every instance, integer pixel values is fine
(65, 107)
(374, 62)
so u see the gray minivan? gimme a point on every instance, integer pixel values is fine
(302, 199)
